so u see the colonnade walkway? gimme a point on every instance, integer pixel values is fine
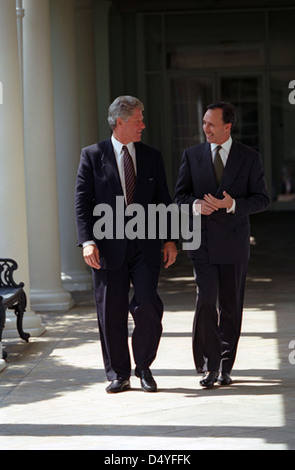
(52, 394)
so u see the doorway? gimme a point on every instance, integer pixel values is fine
(189, 96)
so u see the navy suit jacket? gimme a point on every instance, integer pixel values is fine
(225, 237)
(98, 182)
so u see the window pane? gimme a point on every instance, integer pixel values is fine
(154, 110)
(245, 93)
(283, 139)
(282, 38)
(189, 98)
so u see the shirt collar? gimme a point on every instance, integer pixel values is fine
(118, 145)
(226, 145)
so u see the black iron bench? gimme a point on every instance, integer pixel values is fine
(12, 296)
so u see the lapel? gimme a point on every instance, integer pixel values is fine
(231, 169)
(110, 168)
(141, 171)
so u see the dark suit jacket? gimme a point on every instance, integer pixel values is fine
(225, 237)
(98, 182)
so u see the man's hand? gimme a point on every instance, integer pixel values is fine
(91, 256)
(225, 203)
(169, 254)
(207, 207)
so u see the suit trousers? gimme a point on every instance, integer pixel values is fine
(218, 315)
(112, 290)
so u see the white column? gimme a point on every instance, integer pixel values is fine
(13, 216)
(75, 275)
(47, 293)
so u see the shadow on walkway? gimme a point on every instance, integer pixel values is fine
(52, 391)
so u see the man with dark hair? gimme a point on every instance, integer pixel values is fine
(228, 112)
(226, 179)
(124, 167)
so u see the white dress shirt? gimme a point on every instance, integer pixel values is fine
(224, 152)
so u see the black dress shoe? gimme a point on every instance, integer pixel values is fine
(147, 381)
(224, 379)
(118, 385)
(209, 379)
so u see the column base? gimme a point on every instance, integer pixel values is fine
(51, 300)
(77, 281)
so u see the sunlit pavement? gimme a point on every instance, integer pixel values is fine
(53, 395)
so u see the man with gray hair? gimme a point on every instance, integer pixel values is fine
(123, 107)
(124, 167)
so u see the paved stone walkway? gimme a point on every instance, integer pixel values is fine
(52, 393)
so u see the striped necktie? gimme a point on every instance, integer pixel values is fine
(130, 177)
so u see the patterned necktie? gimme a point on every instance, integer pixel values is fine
(130, 177)
(218, 165)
